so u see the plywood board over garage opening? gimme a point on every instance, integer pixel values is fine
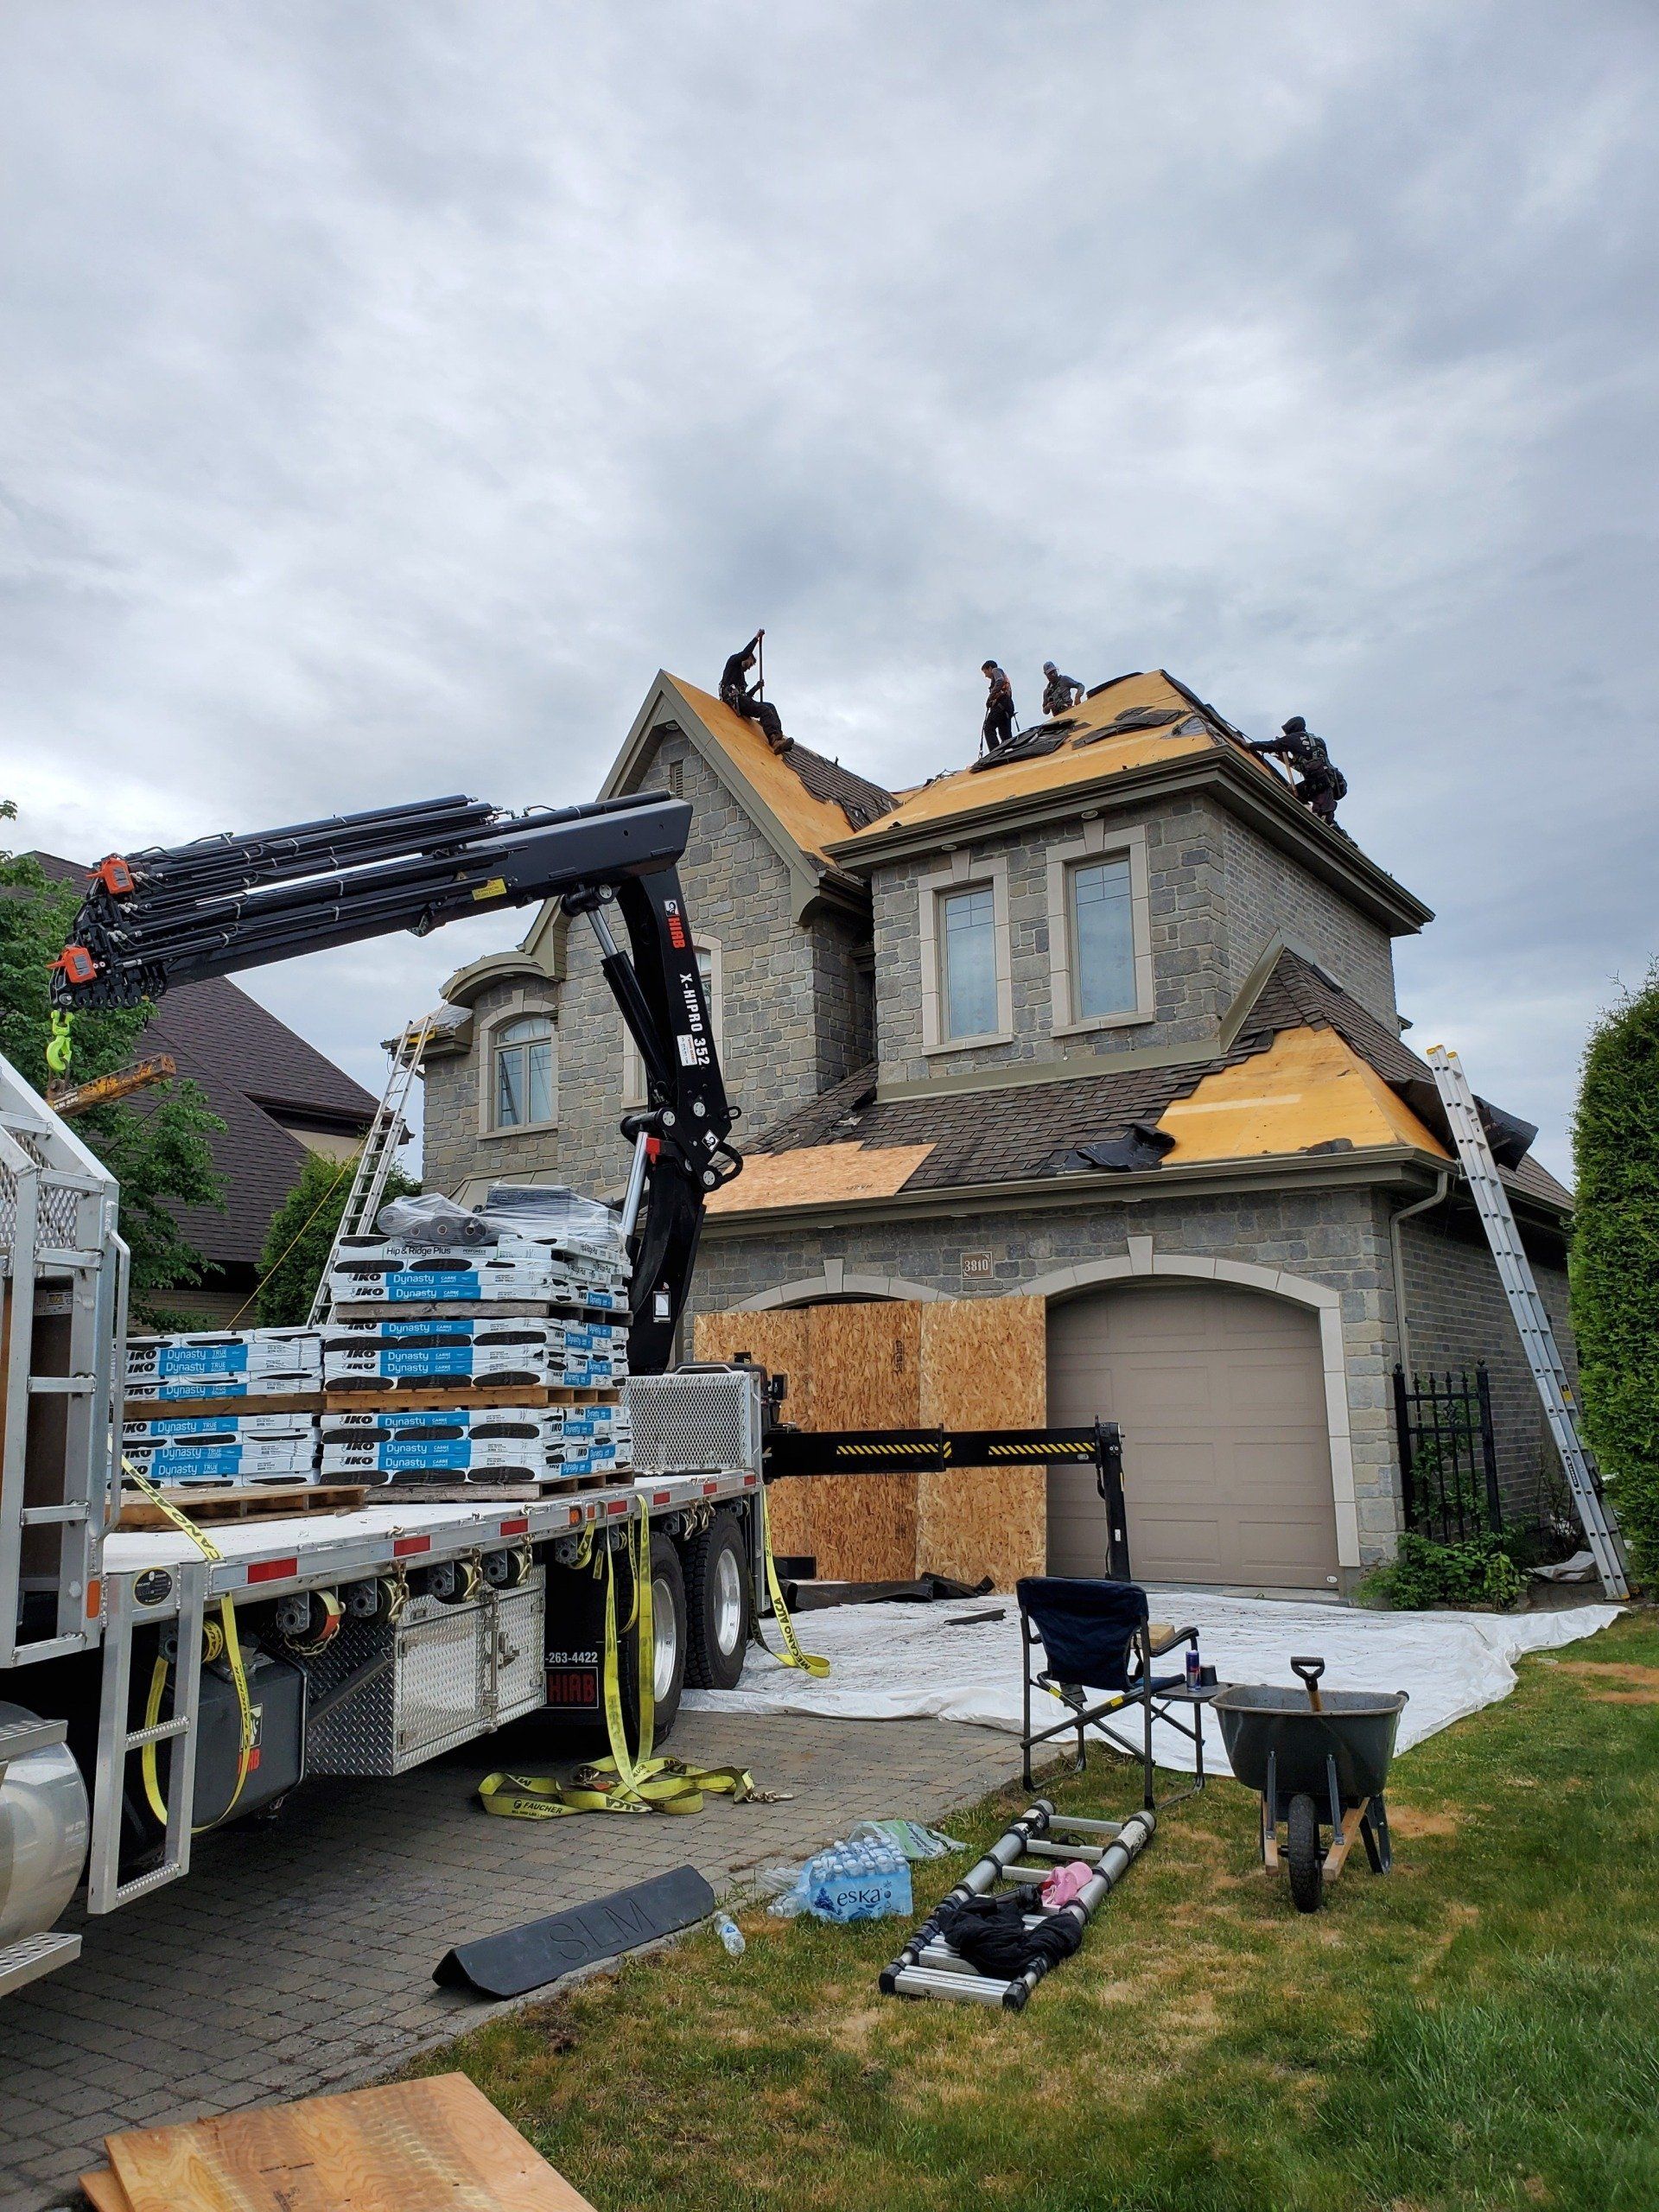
(891, 1363)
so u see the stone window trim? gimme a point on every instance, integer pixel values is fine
(634, 1072)
(964, 873)
(1098, 842)
(523, 1006)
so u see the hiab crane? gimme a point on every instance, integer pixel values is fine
(126, 1655)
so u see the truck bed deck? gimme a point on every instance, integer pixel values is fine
(275, 1553)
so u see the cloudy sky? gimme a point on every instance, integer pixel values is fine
(389, 389)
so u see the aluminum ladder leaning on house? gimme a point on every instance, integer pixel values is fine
(1537, 1337)
(386, 1132)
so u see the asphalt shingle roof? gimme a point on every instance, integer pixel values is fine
(1007, 1135)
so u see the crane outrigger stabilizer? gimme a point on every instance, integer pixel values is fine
(177, 914)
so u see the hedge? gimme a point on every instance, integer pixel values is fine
(1615, 1262)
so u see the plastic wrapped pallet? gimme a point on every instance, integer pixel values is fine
(389, 1270)
(291, 1458)
(570, 1354)
(541, 1442)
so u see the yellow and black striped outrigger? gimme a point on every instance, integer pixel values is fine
(790, 1452)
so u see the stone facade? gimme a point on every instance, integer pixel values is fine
(1268, 895)
(1458, 1316)
(793, 1013)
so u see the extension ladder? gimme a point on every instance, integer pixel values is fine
(386, 1132)
(1537, 1337)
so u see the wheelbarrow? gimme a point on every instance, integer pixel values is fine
(1317, 1758)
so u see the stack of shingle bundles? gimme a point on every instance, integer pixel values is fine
(535, 1444)
(236, 1405)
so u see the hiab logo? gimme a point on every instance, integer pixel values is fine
(676, 936)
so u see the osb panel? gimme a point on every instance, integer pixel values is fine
(851, 1366)
(814, 1174)
(779, 1341)
(865, 1361)
(984, 1365)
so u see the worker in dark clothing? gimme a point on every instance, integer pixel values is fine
(1060, 692)
(1319, 782)
(744, 697)
(998, 727)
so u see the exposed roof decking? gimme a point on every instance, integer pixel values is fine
(813, 817)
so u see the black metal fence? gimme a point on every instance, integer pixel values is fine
(1448, 1457)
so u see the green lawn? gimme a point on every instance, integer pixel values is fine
(1480, 2029)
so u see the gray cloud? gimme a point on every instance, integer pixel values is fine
(390, 389)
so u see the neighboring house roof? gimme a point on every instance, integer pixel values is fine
(1308, 1071)
(256, 1074)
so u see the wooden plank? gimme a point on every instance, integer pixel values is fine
(864, 1360)
(103, 2191)
(275, 1500)
(409, 2146)
(984, 1364)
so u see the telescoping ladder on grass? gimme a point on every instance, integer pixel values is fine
(1537, 1337)
(386, 1132)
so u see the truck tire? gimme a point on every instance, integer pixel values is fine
(720, 1604)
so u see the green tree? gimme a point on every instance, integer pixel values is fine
(1615, 1263)
(302, 1234)
(155, 1144)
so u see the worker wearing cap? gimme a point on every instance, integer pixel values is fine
(744, 697)
(998, 727)
(1319, 782)
(1060, 692)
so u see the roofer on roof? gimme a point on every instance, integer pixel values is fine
(1060, 691)
(744, 697)
(1319, 782)
(998, 725)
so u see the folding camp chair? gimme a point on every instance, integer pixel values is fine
(1096, 1636)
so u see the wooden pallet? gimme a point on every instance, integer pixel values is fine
(433, 2146)
(293, 1401)
(208, 1502)
(377, 1394)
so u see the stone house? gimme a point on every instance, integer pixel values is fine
(1107, 1017)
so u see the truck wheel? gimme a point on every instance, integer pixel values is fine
(720, 1601)
(668, 1645)
(1304, 1858)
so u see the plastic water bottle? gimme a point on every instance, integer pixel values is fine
(730, 1934)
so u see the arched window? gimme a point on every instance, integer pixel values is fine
(521, 1078)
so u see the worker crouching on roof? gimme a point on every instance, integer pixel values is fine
(1319, 782)
(1060, 692)
(998, 725)
(744, 697)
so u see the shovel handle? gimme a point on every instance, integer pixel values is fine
(1309, 1670)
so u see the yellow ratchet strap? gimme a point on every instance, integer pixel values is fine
(792, 1655)
(230, 1644)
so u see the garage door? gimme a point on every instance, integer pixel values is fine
(1220, 1397)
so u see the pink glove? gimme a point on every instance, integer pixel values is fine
(1065, 1883)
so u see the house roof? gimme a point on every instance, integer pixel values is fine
(1309, 1071)
(254, 1072)
(817, 800)
(1132, 722)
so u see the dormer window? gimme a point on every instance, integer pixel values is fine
(1100, 930)
(1102, 937)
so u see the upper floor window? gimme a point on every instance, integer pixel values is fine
(523, 1075)
(968, 960)
(1102, 939)
(1100, 930)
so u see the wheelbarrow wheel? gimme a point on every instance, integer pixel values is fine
(1304, 1858)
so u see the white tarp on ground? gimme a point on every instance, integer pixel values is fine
(895, 1662)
